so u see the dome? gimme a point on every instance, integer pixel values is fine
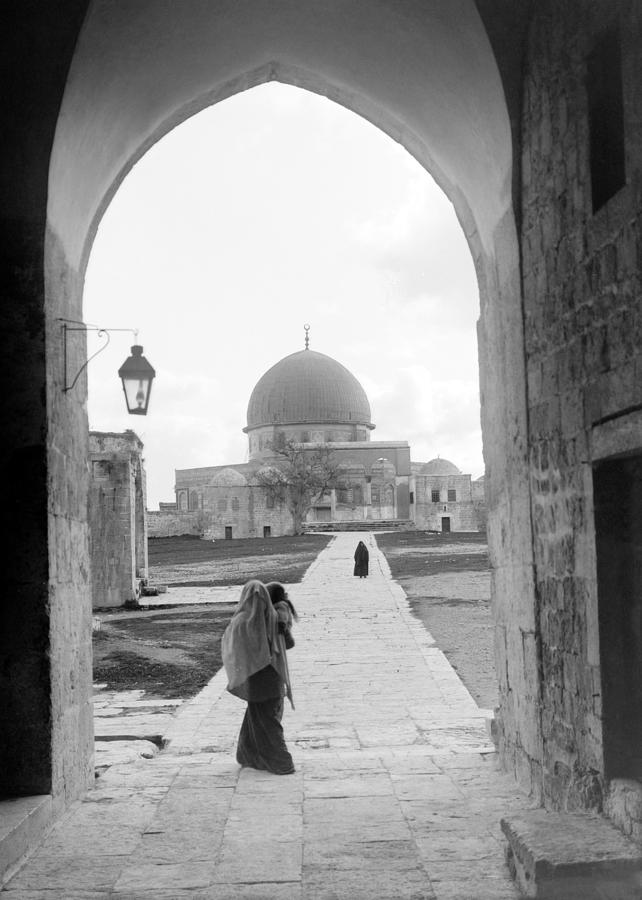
(440, 466)
(228, 478)
(308, 388)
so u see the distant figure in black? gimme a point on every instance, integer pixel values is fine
(361, 560)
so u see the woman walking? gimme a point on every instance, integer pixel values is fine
(255, 660)
(361, 560)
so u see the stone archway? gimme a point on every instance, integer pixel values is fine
(427, 76)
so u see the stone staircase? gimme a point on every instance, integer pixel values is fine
(362, 525)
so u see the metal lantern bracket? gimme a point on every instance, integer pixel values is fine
(69, 325)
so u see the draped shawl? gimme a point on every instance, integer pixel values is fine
(252, 641)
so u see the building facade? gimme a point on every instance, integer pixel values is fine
(313, 400)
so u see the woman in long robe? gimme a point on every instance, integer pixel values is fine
(361, 560)
(255, 660)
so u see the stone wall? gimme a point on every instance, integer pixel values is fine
(162, 523)
(461, 512)
(583, 335)
(117, 522)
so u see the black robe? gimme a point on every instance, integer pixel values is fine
(361, 559)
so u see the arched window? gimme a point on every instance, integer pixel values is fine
(193, 500)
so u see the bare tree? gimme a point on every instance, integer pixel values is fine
(298, 477)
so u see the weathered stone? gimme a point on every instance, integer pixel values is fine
(571, 857)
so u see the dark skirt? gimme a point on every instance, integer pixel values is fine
(261, 744)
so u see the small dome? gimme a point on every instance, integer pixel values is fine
(440, 466)
(228, 478)
(308, 388)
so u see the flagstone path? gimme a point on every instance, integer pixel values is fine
(397, 794)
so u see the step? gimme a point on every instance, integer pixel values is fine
(564, 856)
(24, 822)
(362, 525)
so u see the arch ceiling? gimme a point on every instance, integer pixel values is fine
(422, 71)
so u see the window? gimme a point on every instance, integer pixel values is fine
(100, 469)
(452, 495)
(235, 504)
(434, 496)
(606, 118)
(193, 500)
(269, 501)
(222, 504)
(412, 496)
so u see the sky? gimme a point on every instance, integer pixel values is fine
(273, 209)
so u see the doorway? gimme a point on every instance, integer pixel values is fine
(445, 524)
(228, 532)
(617, 489)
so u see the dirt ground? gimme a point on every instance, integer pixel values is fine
(193, 562)
(447, 580)
(174, 652)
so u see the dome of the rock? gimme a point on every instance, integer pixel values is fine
(308, 388)
(439, 466)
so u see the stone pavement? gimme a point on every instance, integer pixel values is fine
(397, 795)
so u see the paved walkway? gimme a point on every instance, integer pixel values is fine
(396, 796)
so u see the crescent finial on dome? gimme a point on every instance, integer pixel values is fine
(306, 328)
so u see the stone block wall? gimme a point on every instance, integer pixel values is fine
(583, 344)
(162, 523)
(117, 525)
(428, 513)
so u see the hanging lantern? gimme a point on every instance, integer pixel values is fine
(137, 376)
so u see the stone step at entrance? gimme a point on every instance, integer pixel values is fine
(364, 525)
(561, 856)
(24, 821)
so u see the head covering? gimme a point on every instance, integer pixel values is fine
(278, 594)
(249, 639)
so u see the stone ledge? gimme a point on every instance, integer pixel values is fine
(557, 856)
(23, 825)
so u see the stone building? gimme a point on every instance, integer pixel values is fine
(444, 499)
(528, 116)
(117, 518)
(312, 399)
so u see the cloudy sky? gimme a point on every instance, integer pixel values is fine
(269, 210)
